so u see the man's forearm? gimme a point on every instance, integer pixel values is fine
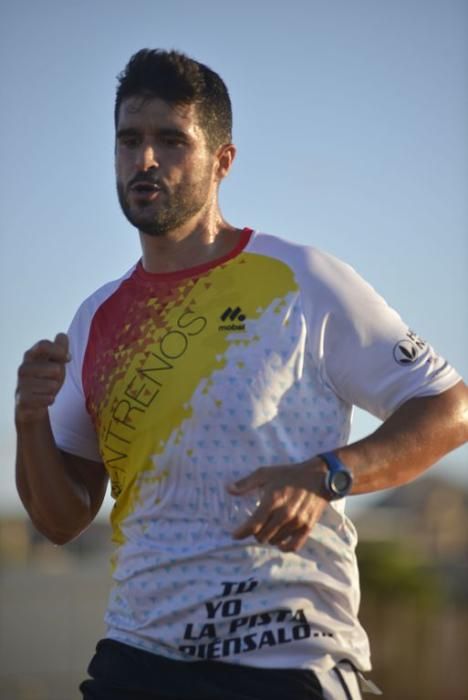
(416, 436)
(293, 496)
(58, 505)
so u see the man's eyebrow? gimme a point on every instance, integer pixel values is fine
(163, 131)
(128, 131)
(171, 131)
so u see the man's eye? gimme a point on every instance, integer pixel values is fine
(173, 141)
(130, 142)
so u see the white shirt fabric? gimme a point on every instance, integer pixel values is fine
(186, 382)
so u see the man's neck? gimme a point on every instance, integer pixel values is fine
(188, 246)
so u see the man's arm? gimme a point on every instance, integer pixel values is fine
(415, 436)
(412, 439)
(61, 492)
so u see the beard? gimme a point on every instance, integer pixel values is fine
(170, 210)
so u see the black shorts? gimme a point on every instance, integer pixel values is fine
(122, 672)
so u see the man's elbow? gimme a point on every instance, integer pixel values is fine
(58, 535)
(462, 410)
(60, 539)
(454, 404)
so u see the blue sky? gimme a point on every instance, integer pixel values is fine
(350, 120)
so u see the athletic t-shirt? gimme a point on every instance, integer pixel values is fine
(182, 383)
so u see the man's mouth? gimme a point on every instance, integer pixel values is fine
(145, 190)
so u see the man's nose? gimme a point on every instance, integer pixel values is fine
(148, 158)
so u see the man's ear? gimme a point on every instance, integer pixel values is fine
(224, 159)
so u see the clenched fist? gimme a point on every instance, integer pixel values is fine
(40, 377)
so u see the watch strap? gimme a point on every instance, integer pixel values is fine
(335, 466)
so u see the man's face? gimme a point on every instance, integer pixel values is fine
(165, 172)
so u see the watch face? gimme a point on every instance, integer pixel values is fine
(340, 482)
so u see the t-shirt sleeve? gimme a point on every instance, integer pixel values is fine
(71, 423)
(366, 353)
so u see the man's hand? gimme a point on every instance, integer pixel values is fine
(40, 377)
(290, 504)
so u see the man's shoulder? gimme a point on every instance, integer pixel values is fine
(305, 259)
(324, 279)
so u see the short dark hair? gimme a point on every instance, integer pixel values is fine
(177, 79)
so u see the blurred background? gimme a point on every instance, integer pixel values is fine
(350, 119)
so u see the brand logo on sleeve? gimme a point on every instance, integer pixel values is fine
(407, 350)
(235, 317)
